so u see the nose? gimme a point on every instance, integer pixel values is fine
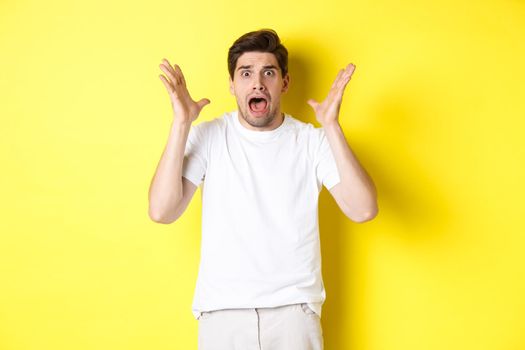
(257, 84)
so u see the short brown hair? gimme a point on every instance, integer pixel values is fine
(263, 40)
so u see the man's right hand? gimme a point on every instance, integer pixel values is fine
(185, 109)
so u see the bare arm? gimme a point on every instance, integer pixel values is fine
(166, 193)
(356, 193)
(169, 192)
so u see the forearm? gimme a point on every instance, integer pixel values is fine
(357, 187)
(165, 192)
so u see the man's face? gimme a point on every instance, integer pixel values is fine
(257, 86)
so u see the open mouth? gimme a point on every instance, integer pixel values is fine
(258, 105)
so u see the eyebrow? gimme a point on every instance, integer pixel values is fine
(270, 66)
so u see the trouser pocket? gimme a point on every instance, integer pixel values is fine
(306, 309)
(204, 315)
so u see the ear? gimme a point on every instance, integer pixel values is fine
(232, 90)
(286, 83)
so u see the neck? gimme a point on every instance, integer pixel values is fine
(274, 123)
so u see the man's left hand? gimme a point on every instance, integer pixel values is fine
(327, 112)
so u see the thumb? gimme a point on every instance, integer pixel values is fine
(203, 102)
(313, 103)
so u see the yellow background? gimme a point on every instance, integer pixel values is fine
(434, 112)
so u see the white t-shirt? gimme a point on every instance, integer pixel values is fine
(260, 242)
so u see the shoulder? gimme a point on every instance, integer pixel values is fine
(306, 130)
(298, 125)
(212, 126)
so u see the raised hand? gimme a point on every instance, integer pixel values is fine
(185, 109)
(327, 111)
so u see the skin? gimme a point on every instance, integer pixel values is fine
(355, 194)
(259, 73)
(185, 109)
(327, 111)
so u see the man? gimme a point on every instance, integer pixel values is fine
(259, 284)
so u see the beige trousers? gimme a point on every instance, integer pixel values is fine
(288, 327)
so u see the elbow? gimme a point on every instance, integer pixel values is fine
(157, 217)
(162, 212)
(363, 217)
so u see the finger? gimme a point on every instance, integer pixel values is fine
(166, 84)
(175, 74)
(313, 103)
(203, 102)
(344, 81)
(169, 74)
(349, 70)
(179, 74)
(336, 80)
(349, 67)
(342, 86)
(347, 75)
(168, 65)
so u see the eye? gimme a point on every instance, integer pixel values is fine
(245, 74)
(268, 73)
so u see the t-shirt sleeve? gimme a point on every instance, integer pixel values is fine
(326, 167)
(196, 154)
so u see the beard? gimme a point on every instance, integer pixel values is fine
(257, 122)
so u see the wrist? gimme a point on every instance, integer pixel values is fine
(334, 124)
(181, 124)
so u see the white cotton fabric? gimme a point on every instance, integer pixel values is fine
(260, 242)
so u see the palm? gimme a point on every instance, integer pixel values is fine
(184, 107)
(183, 104)
(328, 110)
